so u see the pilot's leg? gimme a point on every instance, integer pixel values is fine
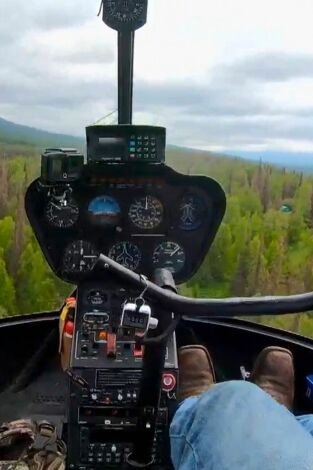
(307, 422)
(233, 425)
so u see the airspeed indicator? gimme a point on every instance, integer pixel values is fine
(62, 214)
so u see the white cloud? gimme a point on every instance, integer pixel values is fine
(218, 74)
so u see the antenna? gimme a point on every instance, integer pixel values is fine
(125, 16)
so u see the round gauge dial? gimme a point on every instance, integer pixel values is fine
(125, 10)
(192, 212)
(62, 214)
(169, 255)
(146, 212)
(127, 254)
(80, 256)
(104, 211)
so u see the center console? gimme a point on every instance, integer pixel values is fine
(105, 370)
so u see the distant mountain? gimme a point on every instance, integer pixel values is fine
(20, 135)
(301, 161)
(17, 134)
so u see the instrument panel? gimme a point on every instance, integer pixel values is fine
(159, 219)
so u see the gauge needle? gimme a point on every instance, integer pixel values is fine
(175, 251)
(127, 255)
(55, 205)
(146, 207)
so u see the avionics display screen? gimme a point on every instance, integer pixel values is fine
(89, 411)
(98, 435)
(113, 148)
(108, 416)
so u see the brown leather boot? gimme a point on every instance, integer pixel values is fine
(274, 372)
(196, 371)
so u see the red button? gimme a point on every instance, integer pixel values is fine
(69, 327)
(168, 382)
(111, 345)
(106, 399)
(138, 351)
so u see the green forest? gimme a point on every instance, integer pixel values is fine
(264, 246)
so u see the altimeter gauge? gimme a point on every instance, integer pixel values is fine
(146, 212)
(62, 213)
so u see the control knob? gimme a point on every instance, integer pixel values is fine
(84, 348)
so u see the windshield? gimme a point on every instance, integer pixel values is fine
(234, 91)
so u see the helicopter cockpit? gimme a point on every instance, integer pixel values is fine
(126, 229)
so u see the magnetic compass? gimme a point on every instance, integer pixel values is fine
(124, 15)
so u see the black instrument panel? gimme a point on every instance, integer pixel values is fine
(142, 218)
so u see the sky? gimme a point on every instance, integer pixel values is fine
(224, 76)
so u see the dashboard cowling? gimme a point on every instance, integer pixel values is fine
(143, 216)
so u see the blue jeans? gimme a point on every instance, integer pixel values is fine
(237, 426)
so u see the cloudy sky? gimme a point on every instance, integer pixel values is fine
(226, 75)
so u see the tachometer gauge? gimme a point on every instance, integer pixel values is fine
(80, 256)
(146, 212)
(62, 213)
(169, 255)
(127, 254)
(192, 212)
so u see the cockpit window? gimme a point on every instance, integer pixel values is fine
(237, 107)
(264, 245)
